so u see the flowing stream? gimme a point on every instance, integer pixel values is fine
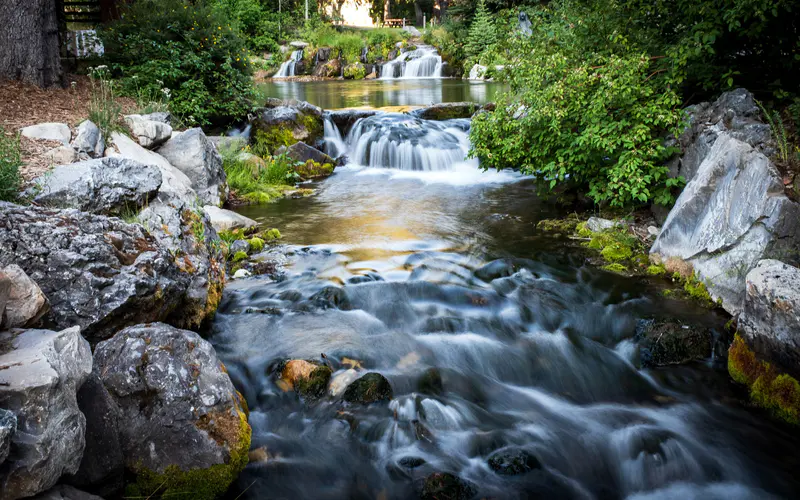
(412, 262)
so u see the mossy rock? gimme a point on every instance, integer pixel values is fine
(431, 382)
(446, 486)
(199, 484)
(307, 378)
(779, 393)
(664, 343)
(371, 388)
(513, 461)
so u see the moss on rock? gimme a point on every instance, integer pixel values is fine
(200, 484)
(774, 391)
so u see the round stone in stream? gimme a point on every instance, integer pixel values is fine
(446, 486)
(370, 388)
(411, 462)
(513, 461)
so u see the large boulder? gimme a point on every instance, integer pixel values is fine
(48, 131)
(770, 321)
(8, 426)
(228, 220)
(346, 118)
(186, 231)
(65, 492)
(22, 303)
(193, 154)
(104, 185)
(62, 155)
(328, 68)
(89, 140)
(40, 374)
(283, 123)
(150, 133)
(98, 272)
(447, 111)
(174, 183)
(182, 426)
(732, 214)
(734, 114)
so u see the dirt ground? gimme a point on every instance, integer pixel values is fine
(22, 104)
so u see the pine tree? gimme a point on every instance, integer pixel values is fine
(481, 33)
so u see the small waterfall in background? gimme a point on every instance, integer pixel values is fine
(401, 141)
(424, 62)
(287, 68)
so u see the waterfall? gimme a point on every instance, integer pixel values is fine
(401, 141)
(424, 62)
(287, 68)
(334, 144)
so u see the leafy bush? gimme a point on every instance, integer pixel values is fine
(258, 24)
(10, 161)
(187, 48)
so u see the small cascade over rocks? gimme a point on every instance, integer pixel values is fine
(287, 68)
(401, 141)
(424, 62)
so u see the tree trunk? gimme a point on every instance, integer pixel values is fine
(387, 12)
(439, 9)
(418, 13)
(29, 44)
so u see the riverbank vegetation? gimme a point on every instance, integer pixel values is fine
(10, 163)
(599, 84)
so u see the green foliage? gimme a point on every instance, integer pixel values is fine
(229, 236)
(449, 39)
(255, 179)
(104, 110)
(481, 33)
(267, 141)
(656, 270)
(239, 256)
(272, 234)
(784, 154)
(255, 20)
(615, 267)
(355, 71)
(697, 290)
(10, 161)
(256, 244)
(185, 50)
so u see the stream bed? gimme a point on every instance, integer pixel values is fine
(513, 364)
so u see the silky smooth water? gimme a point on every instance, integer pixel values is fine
(339, 94)
(403, 271)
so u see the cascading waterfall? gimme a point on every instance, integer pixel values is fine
(401, 141)
(424, 62)
(287, 68)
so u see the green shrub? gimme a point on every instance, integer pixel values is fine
(10, 161)
(104, 110)
(186, 50)
(481, 32)
(258, 181)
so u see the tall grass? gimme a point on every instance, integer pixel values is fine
(10, 161)
(254, 181)
(104, 110)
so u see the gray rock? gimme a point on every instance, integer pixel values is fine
(25, 304)
(149, 133)
(346, 118)
(664, 343)
(242, 273)
(48, 131)
(40, 374)
(8, 426)
(174, 183)
(89, 140)
(65, 492)
(596, 224)
(5, 292)
(102, 466)
(731, 215)
(477, 72)
(159, 116)
(239, 246)
(770, 320)
(105, 185)
(227, 220)
(736, 114)
(61, 155)
(177, 405)
(98, 272)
(193, 154)
(447, 111)
(302, 152)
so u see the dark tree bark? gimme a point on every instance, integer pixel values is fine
(29, 43)
(418, 13)
(387, 11)
(439, 9)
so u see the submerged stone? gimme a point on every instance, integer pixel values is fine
(513, 461)
(370, 388)
(668, 343)
(446, 486)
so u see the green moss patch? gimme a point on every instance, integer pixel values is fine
(777, 392)
(266, 142)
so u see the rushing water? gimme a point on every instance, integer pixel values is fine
(423, 62)
(406, 270)
(338, 94)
